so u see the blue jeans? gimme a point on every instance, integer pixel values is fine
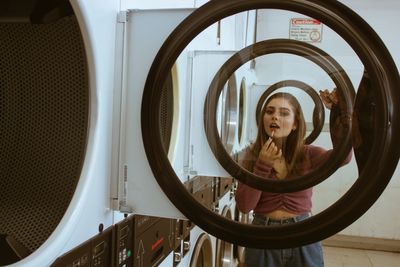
(306, 256)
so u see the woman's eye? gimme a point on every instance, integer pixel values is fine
(269, 111)
(284, 113)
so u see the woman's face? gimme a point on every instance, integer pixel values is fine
(279, 118)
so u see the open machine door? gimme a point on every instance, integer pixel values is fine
(375, 61)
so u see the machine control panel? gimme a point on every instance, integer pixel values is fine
(96, 252)
(136, 241)
(124, 243)
(154, 239)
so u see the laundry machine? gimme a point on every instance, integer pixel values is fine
(55, 115)
(60, 69)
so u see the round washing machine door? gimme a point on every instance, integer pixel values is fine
(44, 117)
(202, 252)
(318, 112)
(228, 117)
(239, 252)
(224, 250)
(380, 80)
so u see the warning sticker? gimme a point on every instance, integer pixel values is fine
(306, 30)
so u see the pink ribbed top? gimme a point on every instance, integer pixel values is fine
(248, 198)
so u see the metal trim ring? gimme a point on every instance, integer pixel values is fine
(384, 151)
(318, 113)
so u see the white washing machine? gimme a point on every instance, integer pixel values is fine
(56, 87)
(59, 106)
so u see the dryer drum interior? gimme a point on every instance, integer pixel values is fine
(166, 112)
(44, 109)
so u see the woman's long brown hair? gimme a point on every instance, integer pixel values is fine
(293, 145)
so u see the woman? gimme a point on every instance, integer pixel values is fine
(279, 152)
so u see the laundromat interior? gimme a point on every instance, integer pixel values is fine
(124, 124)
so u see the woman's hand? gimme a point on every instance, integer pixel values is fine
(271, 155)
(329, 98)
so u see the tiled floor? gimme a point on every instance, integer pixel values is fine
(344, 257)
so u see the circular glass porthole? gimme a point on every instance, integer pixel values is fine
(239, 251)
(228, 114)
(383, 123)
(224, 250)
(318, 115)
(202, 252)
(343, 137)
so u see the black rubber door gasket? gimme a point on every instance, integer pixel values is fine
(341, 146)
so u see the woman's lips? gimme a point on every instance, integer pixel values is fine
(274, 127)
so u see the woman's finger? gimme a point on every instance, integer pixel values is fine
(270, 148)
(267, 144)
(270, 140)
